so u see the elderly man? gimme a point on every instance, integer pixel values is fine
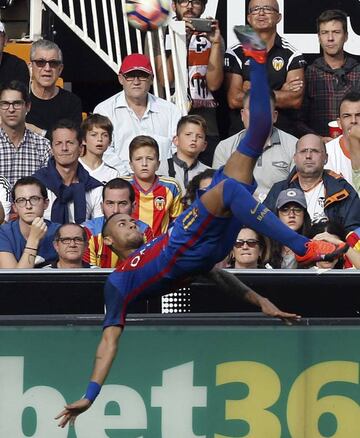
(11, 67)
(49, 103)
(74, 196)
(134, 111)
(22, 152)
(285, 66)
(70, 242)
(328, 195)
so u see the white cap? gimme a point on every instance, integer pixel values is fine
(2, 27)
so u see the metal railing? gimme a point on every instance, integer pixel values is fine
(103, 26)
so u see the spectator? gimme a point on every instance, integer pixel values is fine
(74, 196)
(96, 134)
(70, 242)
(118, 196)
(276, 160)
(250, 250)
(158, 199)
(328, 195)
(12, 68)
(135, 111)
(5, 203)
(329, 77)
(27, 241)
(354, 150)
(339, 159)
(190, 141)
(49, 103)
(22, 152)
(200, 182)
(291, 209)
(205, 62)
(334, 232)
(285, 66)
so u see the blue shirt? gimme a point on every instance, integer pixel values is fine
(12, 241)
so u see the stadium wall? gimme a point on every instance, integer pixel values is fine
(222, 377)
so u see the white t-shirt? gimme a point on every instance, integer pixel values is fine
(93, 204)
(315, 200)
(103, 173)
(337, 160)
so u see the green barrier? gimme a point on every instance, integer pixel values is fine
(185, 382)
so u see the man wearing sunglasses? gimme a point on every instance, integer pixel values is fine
(285, 67)
(134, 111)
(49, 102)
(27, 241)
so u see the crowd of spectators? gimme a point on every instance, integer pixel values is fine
(62, 175)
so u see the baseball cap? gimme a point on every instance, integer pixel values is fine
(291, 195)
(2, 27)
(136, 61)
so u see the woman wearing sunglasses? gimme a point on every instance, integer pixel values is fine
(250, 250)
(291, 208)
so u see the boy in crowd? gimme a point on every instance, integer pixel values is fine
(27, 241)
(118, 197)
(157, 198)
(96, 134)
(190, 141)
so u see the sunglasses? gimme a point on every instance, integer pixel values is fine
(251, 243)
(53, 63)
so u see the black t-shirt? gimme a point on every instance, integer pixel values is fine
(45, 113)
(281, 59)
(13, 68)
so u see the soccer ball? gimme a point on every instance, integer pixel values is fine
(147, 14)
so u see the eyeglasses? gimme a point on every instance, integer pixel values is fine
(287, 210)
(185, 3)
(16, 104)
(33, 200)
(251, 243)
(68, 240)
(53, 63)
(265, 9)
(141, 75)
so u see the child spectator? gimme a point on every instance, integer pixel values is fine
(96, 134)
(157, 198)
(190, 141)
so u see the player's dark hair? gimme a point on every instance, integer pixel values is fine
(351, 96)
(119, 183)
(98, 121)
(58, 231)
(330, 15)
(271, 94)
(66, 124)
(29, 181)
(194, 119)
(141, 141)
(104, 227)
(17, 86)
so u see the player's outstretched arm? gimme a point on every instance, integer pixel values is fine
(232, 285)
(105, 354)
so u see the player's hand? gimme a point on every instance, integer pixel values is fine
(38, 229)
(69, 414)
(328, 238)
(269, 309)
(294, 85)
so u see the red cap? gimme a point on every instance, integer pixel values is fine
(136, 61)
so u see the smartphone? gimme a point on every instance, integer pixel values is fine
(202, 24)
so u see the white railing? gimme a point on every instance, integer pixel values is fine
(104, 27)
